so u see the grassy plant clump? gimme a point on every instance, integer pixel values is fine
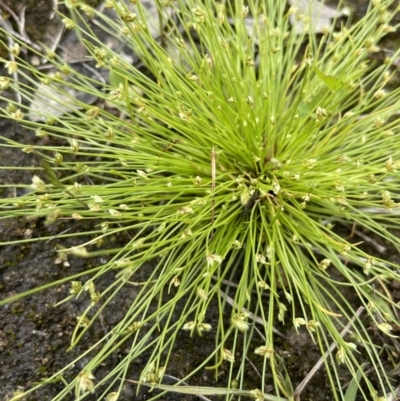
(231, 154)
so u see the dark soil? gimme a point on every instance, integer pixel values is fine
(34, 335)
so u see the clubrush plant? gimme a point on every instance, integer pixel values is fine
(233, 163)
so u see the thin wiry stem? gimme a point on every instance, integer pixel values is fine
(299, 389)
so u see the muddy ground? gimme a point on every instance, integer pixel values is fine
(34, 335)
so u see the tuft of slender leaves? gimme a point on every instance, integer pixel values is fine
(231, 154)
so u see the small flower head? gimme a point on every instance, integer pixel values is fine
(368, 266)
(74, 146)
(261, 259)
(324, 264)
(310, 163)
(153, 375)
(114, 212)
(340, 355)
(117, 94)
(112, 396)
(213, 258)
(265, 351)
(41, 133)
(312, 325)
(38, 184)
(79, 251)
(227, 355)
(270, 251)
(387, 200)
(197, 181)
(282, 310)
(18, 115)
(236, 244)
(76, 287)
(321, 113)
(263, 285)
(87, 10)
(390, 165)
(258, 395)
(380, 94)
(69, 24)
(385, 327)
(186, 210)
(84, 382)
(58, 158)
(4, 83)
(189, 326)
(238, 321)
(201, 294)
(12, 67)
(92, 112)
(142, 174)
(15, 49)
(299, 321)
(203, 327)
